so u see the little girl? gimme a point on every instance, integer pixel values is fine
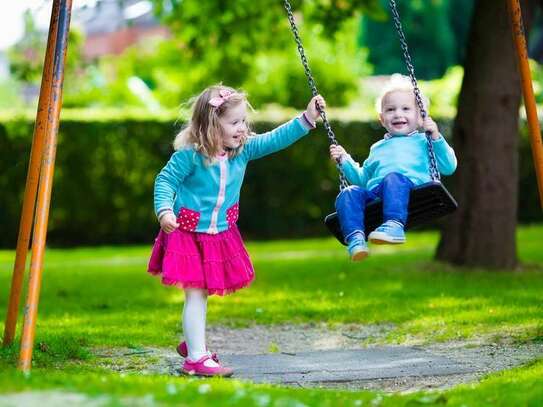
(199, 248)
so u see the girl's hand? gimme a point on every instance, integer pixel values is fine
(337, 153)
(312, 112)
(430, 126)
(168, 222)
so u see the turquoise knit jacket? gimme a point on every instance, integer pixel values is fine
(205, 196)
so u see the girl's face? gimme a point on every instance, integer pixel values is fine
(399, 114)
(234, 127)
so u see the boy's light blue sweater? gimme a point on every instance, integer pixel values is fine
(405, 154)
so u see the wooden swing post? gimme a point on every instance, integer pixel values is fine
(45, 185)
(40, 182)
(31, 188)
(528, 92)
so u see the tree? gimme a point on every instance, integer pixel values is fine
(460, 23)
(227, 34)
(536, 38)
(485, 137)
(433, 32)
(27, 55)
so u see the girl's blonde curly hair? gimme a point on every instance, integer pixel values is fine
(204, 131)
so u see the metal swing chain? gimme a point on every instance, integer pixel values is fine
(331, 136)
(434, 173)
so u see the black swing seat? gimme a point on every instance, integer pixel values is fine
(427, 202)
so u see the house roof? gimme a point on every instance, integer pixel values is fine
(107, 16)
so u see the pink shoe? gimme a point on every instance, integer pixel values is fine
(198, 368)
(183, 351)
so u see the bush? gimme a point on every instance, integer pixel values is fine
(273, 75)
(105, 170)
(10, 94)
(279, 77)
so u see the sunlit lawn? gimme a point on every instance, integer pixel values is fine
(103, 297)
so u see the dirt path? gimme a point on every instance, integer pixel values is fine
(477, 357)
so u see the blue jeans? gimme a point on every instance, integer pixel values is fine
(394, 190)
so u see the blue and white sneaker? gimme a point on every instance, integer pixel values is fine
(390, 232)
(357, 247)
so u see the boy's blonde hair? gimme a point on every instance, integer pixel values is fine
(399, 83)
(204, 131)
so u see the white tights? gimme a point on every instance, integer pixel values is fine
(194, 322)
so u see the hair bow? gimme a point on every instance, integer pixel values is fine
(224, 95)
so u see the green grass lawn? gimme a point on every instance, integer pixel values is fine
(94, 297)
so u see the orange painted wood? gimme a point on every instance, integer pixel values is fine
(528, 92)
(31, 187)
(45, 186)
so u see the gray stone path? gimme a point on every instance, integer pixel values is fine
(317, 356)
(384, 368)
(342, 365)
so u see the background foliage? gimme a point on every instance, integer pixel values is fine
(112, 158)
(106, 167)
(436, 32)
(236, 43)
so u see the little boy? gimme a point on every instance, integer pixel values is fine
(395, 165)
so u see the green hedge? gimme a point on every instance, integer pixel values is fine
(105, 170)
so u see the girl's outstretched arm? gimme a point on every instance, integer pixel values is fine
(286, 134)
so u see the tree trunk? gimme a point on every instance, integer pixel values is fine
(485, 138)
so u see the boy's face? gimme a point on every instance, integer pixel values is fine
(399, 114)
(234, 126)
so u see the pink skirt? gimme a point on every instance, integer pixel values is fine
(218, 263)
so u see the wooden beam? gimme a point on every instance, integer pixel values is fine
(528, 92)
(45, 184)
